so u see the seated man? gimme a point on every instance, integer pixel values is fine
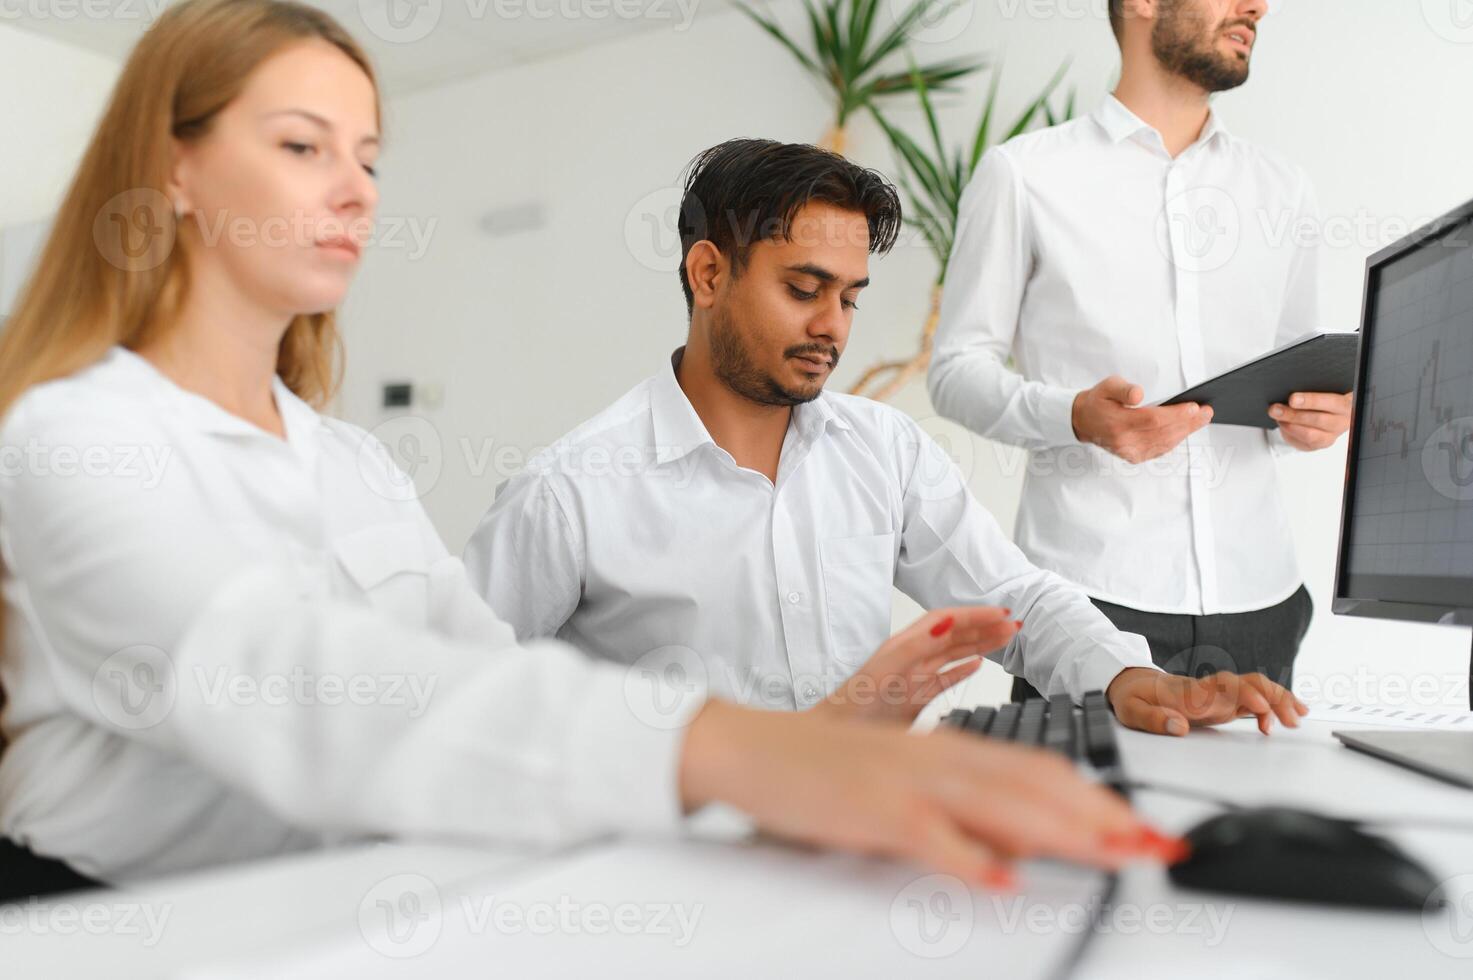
(731, 515)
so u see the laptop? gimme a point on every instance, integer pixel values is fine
(1442, 755)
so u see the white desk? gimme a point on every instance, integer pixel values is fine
(714, 908)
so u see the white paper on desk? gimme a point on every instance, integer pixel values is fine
(1376, 714)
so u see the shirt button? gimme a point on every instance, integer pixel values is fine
(795, 597)
(810, 693)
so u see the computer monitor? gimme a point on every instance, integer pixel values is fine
(1406, 535)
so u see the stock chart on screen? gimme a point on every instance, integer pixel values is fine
(1413, 499)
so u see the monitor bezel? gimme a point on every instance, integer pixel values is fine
(1342, 603)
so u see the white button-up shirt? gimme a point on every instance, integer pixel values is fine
(1086, 250)
(221, 645)
(638, 539)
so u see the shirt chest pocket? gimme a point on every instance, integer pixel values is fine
(386, 565)
(858, 578)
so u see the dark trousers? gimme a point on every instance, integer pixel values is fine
(1263, 641)
(25, 874)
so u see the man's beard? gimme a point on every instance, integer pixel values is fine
(1179, 45)
(734, 367)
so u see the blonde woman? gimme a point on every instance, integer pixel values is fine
(228, 634)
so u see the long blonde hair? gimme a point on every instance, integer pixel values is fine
(84, 297)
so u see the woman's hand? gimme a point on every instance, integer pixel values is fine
(919, 663)
(953, 802)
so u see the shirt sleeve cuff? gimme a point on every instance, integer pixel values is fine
(628, 740)
(1097, 671)
(1056, 416)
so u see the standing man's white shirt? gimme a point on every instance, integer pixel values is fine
(1086, 250)
(637, 536)
(223, 645)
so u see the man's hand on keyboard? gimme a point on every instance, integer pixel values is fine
(1154, 701)
(919, 663)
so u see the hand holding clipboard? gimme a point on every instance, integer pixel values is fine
(1302, 388)
(1110, 415)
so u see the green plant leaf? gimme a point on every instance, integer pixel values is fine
(937, 78)
(834, 38)
(824, 56)
(845, 54)
(1052, 118)
(898, 34)
(861, 23)
(984, 125)
(932, 182)
(923, 95)
(914, 157)
(1039, 104)
(777, 32)
(935, 230)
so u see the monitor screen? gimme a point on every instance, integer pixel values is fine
(1408, 529)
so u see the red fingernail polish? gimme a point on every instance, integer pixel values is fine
(999, 879)
(1174, 850)
(1170, 849)
(943, 627)
(1146, 842)
(1018, 623)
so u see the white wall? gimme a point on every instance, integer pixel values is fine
(53, 94)
(531, 333)
(19, 246)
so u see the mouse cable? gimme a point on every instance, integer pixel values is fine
(1070, 963)
(1183, 792)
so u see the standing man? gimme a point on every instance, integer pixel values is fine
(1145, 245)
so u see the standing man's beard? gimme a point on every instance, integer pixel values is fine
(734, 368)
(1178, 44)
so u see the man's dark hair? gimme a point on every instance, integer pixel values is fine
(746, 191)
(1117, 18)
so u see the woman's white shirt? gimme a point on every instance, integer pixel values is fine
(222, 645)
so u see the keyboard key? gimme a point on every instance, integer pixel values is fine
(1100, 746)
(1058, 730)
(981, 719)
(1006, 722)
(956, 718)
(1030, 722)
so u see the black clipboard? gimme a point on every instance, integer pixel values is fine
(1242, 395)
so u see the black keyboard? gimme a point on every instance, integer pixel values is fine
(1086, 735)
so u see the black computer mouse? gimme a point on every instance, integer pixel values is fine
(1280, 852)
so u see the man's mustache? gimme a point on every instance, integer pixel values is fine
(1238, 22)
(810, 350)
